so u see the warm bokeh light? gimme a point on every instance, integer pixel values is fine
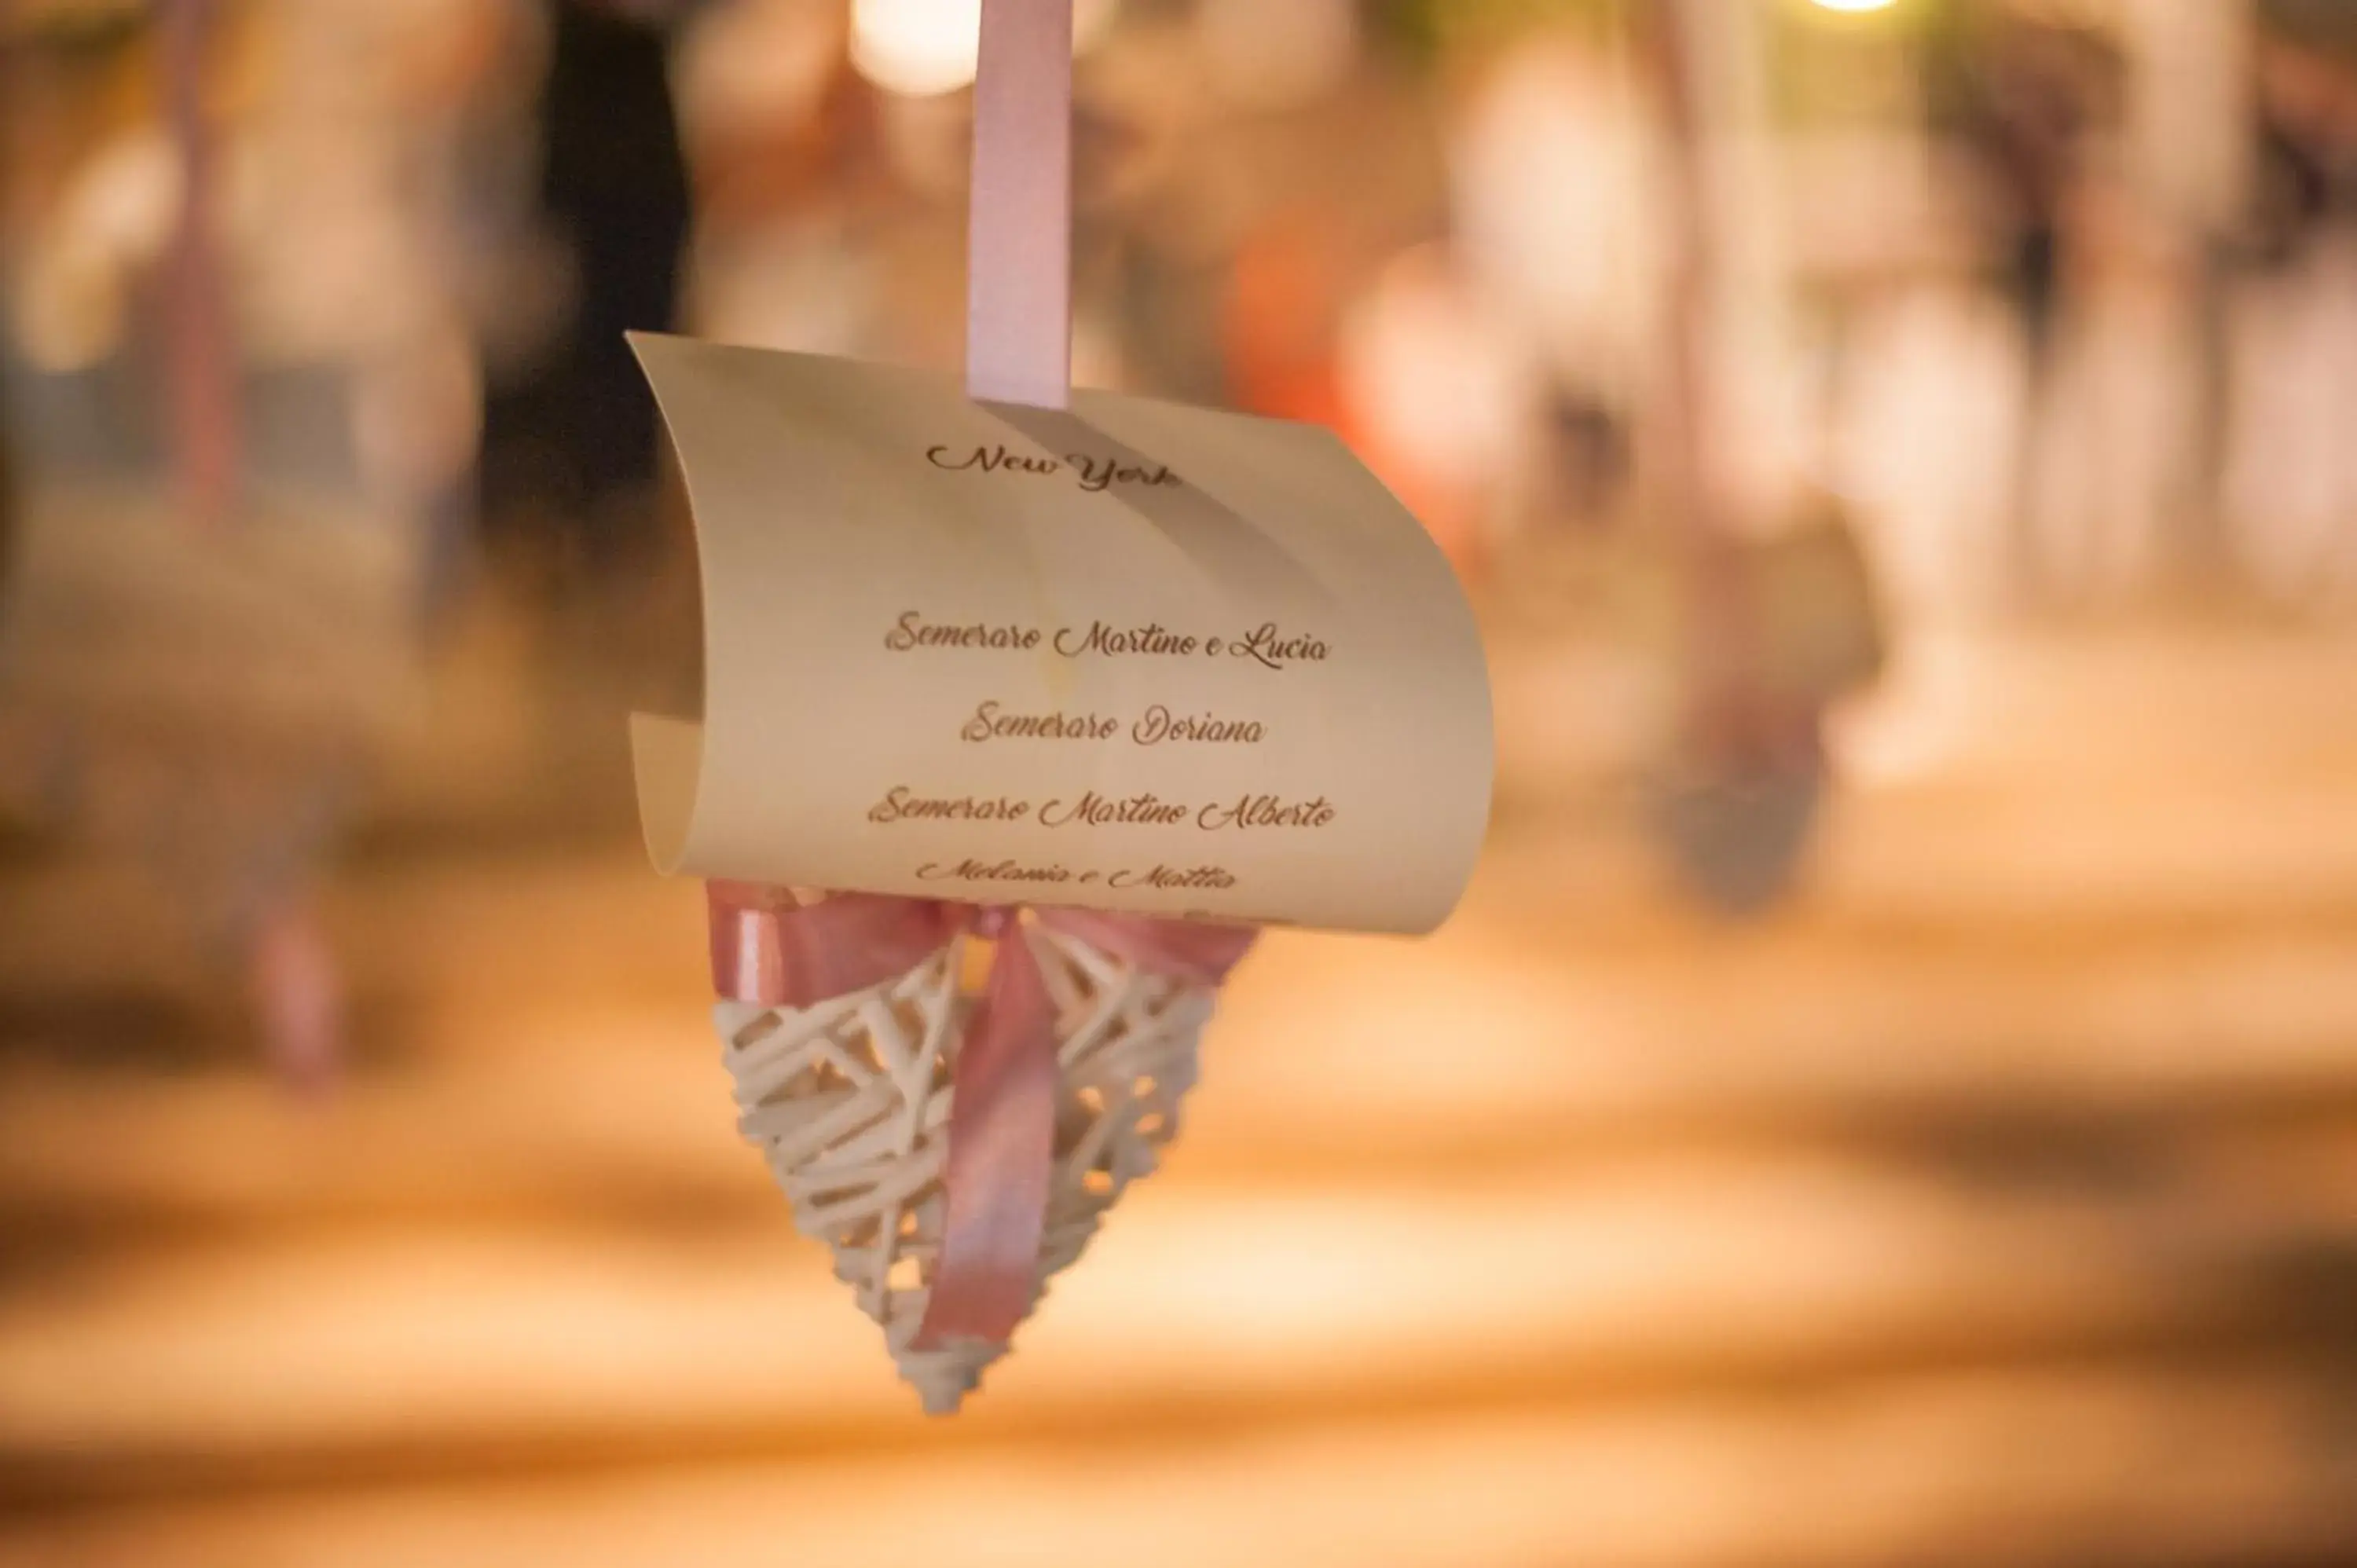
(922, 48)
(917, 47)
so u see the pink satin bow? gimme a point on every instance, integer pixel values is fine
(769, 950)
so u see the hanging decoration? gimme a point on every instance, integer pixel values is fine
(198, 661)
(1772, 630)
(1024, 710)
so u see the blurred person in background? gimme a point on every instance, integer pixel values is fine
(2020, 93)
(570, 454)
(1558, 212)
(2306, 103)
(2289, 490)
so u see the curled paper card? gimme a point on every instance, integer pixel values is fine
(1127, 656)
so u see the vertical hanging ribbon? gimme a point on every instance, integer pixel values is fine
(1749, 770)
(1018, 350)
(1728, 640)
(1697, 497)
(201, 381)
(1019, 249)
(769, 949)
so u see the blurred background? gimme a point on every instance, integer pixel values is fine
(1889, 1098)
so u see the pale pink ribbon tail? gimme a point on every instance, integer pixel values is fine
(1001, 1146)
(1003, 1112)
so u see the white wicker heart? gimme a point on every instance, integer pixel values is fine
(849, 1102)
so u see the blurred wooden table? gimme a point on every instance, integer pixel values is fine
(1996, 1204)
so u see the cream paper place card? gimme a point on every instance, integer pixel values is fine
(1129, 656)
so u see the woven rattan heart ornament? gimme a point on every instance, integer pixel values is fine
(909, 1122)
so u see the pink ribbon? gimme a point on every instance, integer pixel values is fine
(770, 952)
(1019, 224)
